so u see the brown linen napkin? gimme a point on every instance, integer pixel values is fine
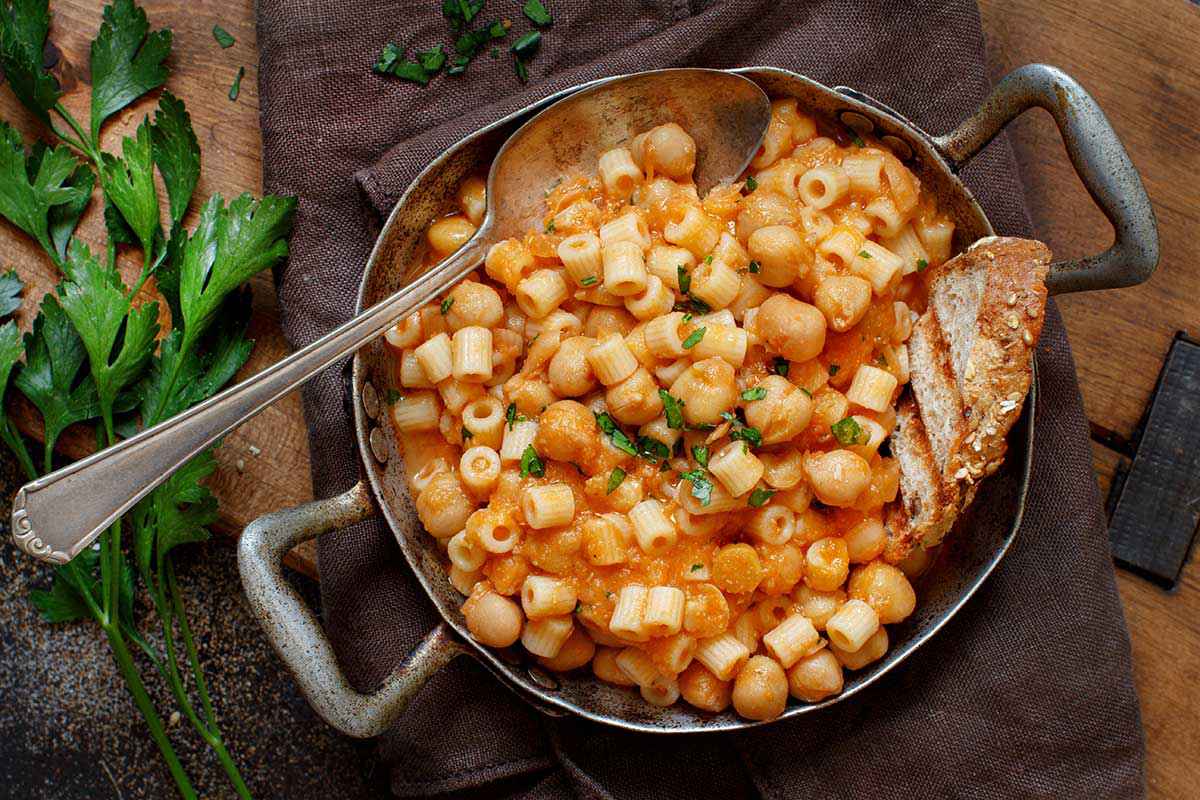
(1027, 693)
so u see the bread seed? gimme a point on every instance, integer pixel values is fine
(1014, 323)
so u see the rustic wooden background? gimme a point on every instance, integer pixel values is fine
(1141, 60)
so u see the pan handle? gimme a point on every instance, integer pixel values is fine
(1099, 159)
(296, 634)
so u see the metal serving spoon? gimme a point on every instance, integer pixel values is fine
(57, 516)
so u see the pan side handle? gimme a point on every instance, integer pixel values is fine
(1099, 159)
(296, 634)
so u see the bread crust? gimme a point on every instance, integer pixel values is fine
(984, 393)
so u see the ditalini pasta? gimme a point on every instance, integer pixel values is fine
(650, 434)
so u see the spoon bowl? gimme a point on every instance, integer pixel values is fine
(55, 517)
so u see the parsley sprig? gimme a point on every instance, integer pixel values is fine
(97, 353)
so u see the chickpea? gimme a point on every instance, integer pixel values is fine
(843, 299)
(815, 677)
(443, 506)
(782, 254)
(829, 406)
(472, 199)
(737, 569)
(837, 477)
(605, 320)
(669, 149)
(492, 619)
(885, 589)
(449, 233)
(871, 651)
(782, 413)
(818, 606)
(706, 611)
(702, 689)
(567, 432)
(570, 373)
(635, 400)
(783, 566)
(760, 690)
(708, 388)
(762, 208)
(576, 651)
(474, 303)
(866, 540)
(827, 564)
(791, 327)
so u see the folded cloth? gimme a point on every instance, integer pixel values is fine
(1026, 693)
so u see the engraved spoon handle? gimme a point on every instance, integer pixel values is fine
(57, 516)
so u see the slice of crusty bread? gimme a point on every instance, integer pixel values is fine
(970, 361)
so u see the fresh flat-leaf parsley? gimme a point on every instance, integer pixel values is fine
(696, 568)
(751, 184)
(834, 369)
(652, 449)
(223, 38)
(702, 487)
(849, 432)
(431, 60)
(780, 366)
(700, 454)
(176, 153)
(531, 464)
(755, 267)
(685, 279)
(510, 415)
(590, 280)
(10, 292)
(129, 183)
(393, 396)
(537, 13)
(236, 88)
(694, 339)
(922, 264)
(759, 497)
(523, 50)
(23, 30)
(30, 186)
(673, 407)
(445, 307)
(757, 393)
(614, 480)
(126, 61)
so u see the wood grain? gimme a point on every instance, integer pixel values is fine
(1141, 60)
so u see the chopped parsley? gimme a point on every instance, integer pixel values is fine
(848, 432)
(700, 453)
(685, 279)
(449, 301)
(393, 396)
(694, 339)
(619, 438)
(550, 226)
(236, 88)
(614, 479)
(806, 391)
(687, 317)
(863, 254)
(755, 267)
(466, 434)
(673, 408)
(652, 450)
(696, 567)
(858, 142)
(708, 259)
(433, 59)
(460, 12)
(222, 36)
(834, 369)
(590, 280)
(751, 184)
(537, 13)
(531, 464)
(921, 264)
(701, 486)
(759, 497)
(780, 366)
(511, 416)
(757, 393)
(524, 49)
(741, 431)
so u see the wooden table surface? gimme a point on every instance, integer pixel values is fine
(1141, 60)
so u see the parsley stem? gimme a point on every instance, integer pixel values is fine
(12, 437)
(89, 149)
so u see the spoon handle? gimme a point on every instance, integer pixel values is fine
(55, 517)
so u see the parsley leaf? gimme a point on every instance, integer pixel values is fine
(751, 184)
(619, 439)
(696, 568)
(531, 464)
(849, 432)
(922, 264)
(65, 600)
(590, 280)
(701, 486)
(445, 307)
(685, 279)
(460, 12)
(23, 29)
(229, 246)
(755, 267)
(31, 186)
(537, 13)
(652, 449)
(129, 183)
(176, 153)
(11, 349)
(700, 453)
(673, 408)
(694, 339)
(614, 480)
(181, 508)
(388, 57)
(10, 293)
(863, 254)
(834, 369)
(523, 50)
(393, 396)
(51, 376)
(95, 300)
(752, 436)
(223, 38)
(236, 88)
(127, 61)
(759, 497)
(858, 142)
(757, 393)
(433, 59)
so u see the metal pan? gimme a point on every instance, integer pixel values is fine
(985, 532)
